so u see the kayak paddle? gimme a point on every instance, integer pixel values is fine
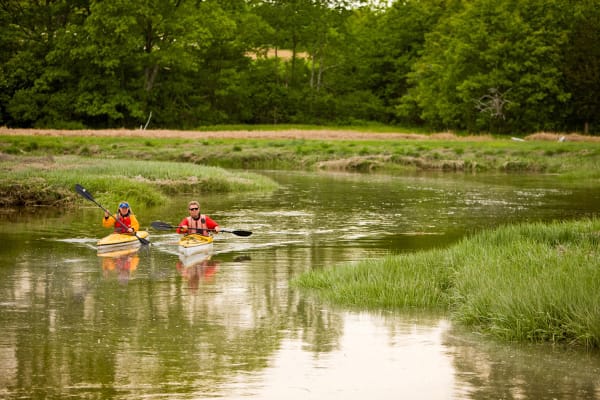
(87, 195)
(164, 226)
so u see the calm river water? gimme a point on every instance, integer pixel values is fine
(146, 325)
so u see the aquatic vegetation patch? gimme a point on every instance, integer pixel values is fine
(49, 181)
(528, 282)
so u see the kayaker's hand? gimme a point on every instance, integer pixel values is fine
(130, 230)
(105, 214)
(217, 229)
(183, 229)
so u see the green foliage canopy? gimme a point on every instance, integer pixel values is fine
(503, 66)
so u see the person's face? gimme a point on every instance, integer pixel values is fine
(123, 210)
(194, 210)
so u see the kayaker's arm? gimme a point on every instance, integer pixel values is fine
(212, 225)
(134, 223)
(182, 228)
(108, 221)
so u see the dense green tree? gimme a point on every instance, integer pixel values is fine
(28, 33)
(289, 19)
(343, 71)
(217, 91)
(124, 59)
(481, 65)
(506, 51)
(135, 56)
(314, 31)
(582, 66)
(393, 43)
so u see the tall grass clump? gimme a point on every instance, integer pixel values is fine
(531, 282)
(535, 282)
(395, 281)
(142, 182)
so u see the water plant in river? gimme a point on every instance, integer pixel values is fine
(528, 282)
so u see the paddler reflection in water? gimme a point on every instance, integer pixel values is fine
(206, 269)
(196, 222)
(122, 265)
(127, 222)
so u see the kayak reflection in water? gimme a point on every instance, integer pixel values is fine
(120, 265)
(204, 270)
(124, 221)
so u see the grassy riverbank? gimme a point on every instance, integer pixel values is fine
(335, 150)
(49, 180)
(129, 161)
(532, 282)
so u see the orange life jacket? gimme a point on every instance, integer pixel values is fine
(124, 225)
(198, 226)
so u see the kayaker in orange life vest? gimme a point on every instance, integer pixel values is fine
(196, 222)
(128, 223)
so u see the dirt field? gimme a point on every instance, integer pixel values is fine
(278, 134)
(284, 134)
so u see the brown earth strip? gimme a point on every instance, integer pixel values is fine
(308, 134)
(316, 134)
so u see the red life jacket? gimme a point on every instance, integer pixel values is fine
(198, 225)
(125, 223)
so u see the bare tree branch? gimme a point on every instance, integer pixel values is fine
(493, 103)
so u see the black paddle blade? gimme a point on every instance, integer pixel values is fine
(162, 226)
(83, 192)
(239, 233)
(142, 240)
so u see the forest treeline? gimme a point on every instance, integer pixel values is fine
(500, 66)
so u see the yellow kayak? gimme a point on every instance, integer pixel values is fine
(120, 241)
(195, 243)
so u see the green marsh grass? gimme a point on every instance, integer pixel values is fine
(434, 154)
(406, 281)
(25, 179)
(531, 282)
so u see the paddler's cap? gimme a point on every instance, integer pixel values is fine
(124, 205)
